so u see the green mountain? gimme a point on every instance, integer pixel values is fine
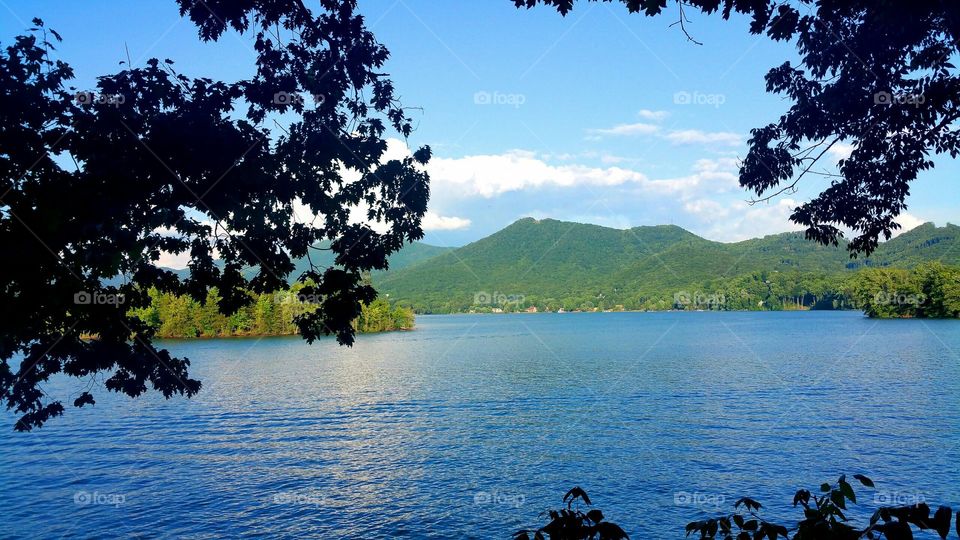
(574, 264)
(926, 242)
(410, 255)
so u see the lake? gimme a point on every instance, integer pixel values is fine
(471, 425)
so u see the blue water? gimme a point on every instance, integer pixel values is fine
(470, 426)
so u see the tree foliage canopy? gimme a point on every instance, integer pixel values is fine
(931, 290)
(97, 184)
(269, 314)
(875, 76)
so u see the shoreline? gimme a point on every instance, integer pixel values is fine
(650, 311)
(261, 336)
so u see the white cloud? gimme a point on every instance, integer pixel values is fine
(708, 176)
(744, 221)
(605, 157)
(721, 174)
(566, 156)
(619, 130)
(610, 159)
(675, 136)
(656, 116)
(708, 194)
(841, 151)
(175, 261)
(706, 209)
(178, 261)
(396, 149)
(492, 175)
(907, 222)
(696, 136)
(435, 222)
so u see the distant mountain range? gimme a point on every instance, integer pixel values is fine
(411, 254)
(541, 259)
(556, 259)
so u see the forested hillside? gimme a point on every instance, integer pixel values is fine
(561, 265)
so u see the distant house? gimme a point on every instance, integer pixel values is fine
(531, 309)
(497, 310)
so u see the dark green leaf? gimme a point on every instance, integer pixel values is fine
(864, 480)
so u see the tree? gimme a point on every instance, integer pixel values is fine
(937, 284)
(380, 316)
(931, 290)
(572, 523)
(824, 518)
(875, 77)
(886, 292)
(95, 185)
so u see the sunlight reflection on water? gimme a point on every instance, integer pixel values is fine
(471, 425)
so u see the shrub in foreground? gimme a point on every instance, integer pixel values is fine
(824, 518)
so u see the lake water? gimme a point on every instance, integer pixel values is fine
(471, 425)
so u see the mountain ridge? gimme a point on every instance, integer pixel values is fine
(547, 258)
(411, 254)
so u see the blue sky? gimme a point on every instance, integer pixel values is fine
(602, 117)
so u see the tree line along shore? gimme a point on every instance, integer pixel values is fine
(269, 314)
(928, 290)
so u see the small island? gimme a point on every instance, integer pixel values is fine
(269, 314)
(928, 291)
